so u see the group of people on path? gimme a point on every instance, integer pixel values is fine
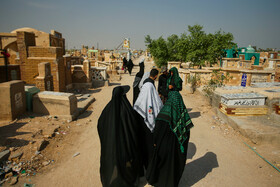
(149, 138)
(127, 65)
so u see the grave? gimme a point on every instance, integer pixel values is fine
(99, 73)
(243, 104)
(12, 103)
(99, 76)
(62, 105)
(45, 80)
(265, 84)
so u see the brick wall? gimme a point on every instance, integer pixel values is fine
(52, 52)
(13, 73)
(24, 40)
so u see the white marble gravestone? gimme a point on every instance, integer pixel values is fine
(243, 99)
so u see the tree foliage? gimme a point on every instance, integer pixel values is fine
(195, 46)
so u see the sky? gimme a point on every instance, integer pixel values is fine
(108, 22)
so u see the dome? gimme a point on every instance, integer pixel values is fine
(27, 29)
(250, 49)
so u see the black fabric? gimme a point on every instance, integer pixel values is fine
(162, 81)
(121, 159)
(136, 82)
(124, 62)
(136, 92)
(130, 66)
(167, 164)
(141, 71)
(149, 80)
(146, 141)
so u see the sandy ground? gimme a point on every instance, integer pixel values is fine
(217, 155)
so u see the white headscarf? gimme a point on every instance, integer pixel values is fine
(145, 76)
(148, 104)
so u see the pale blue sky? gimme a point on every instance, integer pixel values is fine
(107, 22)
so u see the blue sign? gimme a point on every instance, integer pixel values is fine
(244, 80)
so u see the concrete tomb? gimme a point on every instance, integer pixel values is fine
(58, 104)
(245, 99)
(243, 104)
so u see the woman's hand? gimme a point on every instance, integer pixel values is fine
(170, 87)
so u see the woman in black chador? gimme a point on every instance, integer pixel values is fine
(171, 137)
(130, 66)
(124, 64)
(137, 80)
(120, 162)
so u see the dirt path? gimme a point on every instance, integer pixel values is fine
(217, 156)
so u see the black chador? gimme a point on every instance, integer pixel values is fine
(170, 141)
(130, 66)
(137, 80)
(120, 162)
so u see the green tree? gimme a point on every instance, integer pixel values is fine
(182, 48)
(159, 51)
(148, 41)
(198, 44)
(171, 46)
(195, 46)
(218, 42)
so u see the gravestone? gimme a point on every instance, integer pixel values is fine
(45, 80)
(63, 105)
(12, 100)
(243, 99)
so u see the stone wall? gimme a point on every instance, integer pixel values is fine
(235, 75)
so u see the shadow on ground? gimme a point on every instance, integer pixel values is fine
(198, 169)
(114, 84)
(85, 114)
(191, 150)
(10, 130)
(194, 114)
(189, 109)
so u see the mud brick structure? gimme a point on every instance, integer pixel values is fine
(29, 47)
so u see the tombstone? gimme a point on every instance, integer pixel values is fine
(243, 104)
(45, 80)
(244, 99)
(63, 105)
(99, 73)
(78, 75)
(12, 100)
